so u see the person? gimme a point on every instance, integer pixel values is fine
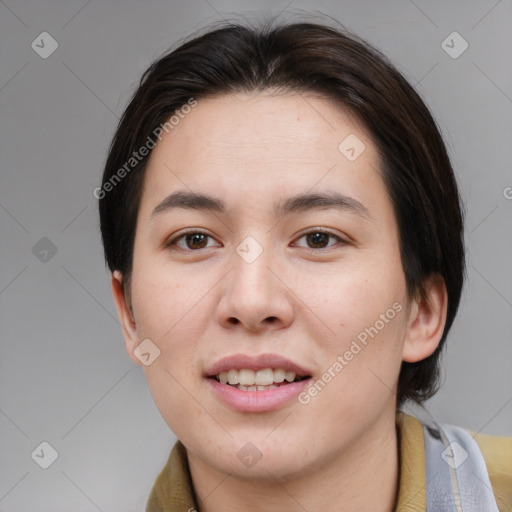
(285, 235)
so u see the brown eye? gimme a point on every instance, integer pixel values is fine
(196, 240)
(317, 240)
(191, 241)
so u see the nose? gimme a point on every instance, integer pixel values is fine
(255, 296)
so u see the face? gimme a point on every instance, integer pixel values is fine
(288, 269)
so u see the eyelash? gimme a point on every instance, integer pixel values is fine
(172, 243)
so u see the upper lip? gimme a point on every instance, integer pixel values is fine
(256, 362)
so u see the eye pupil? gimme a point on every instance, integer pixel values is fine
(318, 239)
(196, 240)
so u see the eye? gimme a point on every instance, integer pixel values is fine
(191, 241)
(319, 239)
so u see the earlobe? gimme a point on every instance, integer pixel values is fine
(124, 312)
(427, 319)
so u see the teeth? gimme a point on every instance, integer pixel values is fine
(233, 377)
(256, 388)
(264, 377)
(279, 375)
(290, 376)
(248, 379)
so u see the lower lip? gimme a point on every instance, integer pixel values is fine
(257, 401)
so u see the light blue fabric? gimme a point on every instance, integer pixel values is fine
(456, 474)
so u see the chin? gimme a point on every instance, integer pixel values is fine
(263, 460)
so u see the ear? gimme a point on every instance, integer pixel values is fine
(427, 319)
(128, 325)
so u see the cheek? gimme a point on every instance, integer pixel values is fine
(175, 399)
(168, 303)
(351, 297)
(360, 371)
(361, 355)
(172, 316)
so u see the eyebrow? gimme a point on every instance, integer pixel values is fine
(191, 201)
(298, 203)
(317, 201)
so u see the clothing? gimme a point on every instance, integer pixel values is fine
(173, 491)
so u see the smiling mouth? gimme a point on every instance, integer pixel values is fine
(260, 380)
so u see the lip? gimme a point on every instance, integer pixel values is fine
(255, 363)
(256, 401)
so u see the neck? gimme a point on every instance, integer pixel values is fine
(363, 477)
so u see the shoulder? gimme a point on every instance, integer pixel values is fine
(172, 490)
(497, 452)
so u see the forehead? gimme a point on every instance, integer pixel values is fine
(305, 124)
(264, 145)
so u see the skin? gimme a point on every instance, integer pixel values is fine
(296, 299)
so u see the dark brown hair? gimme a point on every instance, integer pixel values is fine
(314, 58)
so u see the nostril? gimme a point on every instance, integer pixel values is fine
(234, 320)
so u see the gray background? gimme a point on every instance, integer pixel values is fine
(64, 375)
